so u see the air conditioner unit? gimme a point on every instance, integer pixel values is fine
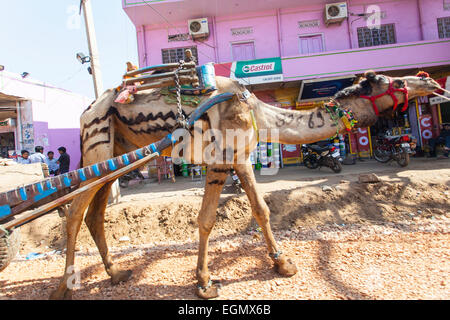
(335, 12)
(198, 28)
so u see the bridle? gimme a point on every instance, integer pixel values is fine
(390, 91)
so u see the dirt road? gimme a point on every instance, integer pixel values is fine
(388, 240)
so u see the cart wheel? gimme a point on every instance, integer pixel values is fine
(9, 247)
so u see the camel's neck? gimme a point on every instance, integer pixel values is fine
(295, 126)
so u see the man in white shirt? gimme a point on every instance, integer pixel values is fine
(38, 156)
(52, 164)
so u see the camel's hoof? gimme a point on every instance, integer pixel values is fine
(210, 292)
(68, 295)
(56, 295)
(121, 276)
(286, 267)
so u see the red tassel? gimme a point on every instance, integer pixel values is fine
(423, 74)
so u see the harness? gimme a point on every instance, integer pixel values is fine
(245, 96)
(338, 113)
(390, 91)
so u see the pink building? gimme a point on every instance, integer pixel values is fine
(413, 34)
(33, 113)
(314, 47)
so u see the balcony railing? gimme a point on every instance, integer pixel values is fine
(381, 58)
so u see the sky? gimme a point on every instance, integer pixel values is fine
(43, 38)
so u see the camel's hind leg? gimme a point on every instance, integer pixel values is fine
(95, 219)
(215, 180)
(74, 219)
(261, 212)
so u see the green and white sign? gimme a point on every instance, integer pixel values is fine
(257, 71)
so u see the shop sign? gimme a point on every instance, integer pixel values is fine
(437, 100)
(291, 153)
(4, 123)
(360, 142)
(426, 124)
(320, 89)
(362, 135)
(257, 71)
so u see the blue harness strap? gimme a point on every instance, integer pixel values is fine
(207, 105)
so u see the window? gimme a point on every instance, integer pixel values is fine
(243, 51)
(376, 37)
(177, 54)
(311, 44)
(444, 27)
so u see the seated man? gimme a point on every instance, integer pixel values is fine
(444, 138)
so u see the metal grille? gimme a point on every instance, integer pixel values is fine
(444, 27)
(177, 54)
(368, 37)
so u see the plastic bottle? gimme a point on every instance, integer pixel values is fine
(184, 168)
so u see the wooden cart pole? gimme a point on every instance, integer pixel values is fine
(97, 184)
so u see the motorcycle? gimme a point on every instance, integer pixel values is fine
(124, 180)
(398, 148)
(315, 156)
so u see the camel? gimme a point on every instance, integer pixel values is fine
(109, 129)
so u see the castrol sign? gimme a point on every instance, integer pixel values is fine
(257, 71)
(261, 67)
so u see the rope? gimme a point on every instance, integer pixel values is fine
(275, 255)
(255, 126)
(7, 234)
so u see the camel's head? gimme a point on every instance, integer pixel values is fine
(421, 85)
(381, 87)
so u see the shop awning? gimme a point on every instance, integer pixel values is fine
(320, 89)
(8, 106)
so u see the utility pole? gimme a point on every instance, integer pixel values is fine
(96, 74)
(93, 49)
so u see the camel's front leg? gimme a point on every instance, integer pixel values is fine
(215, 180)
(261, 212)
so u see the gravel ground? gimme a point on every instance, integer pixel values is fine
(388, 240)
(386, 261)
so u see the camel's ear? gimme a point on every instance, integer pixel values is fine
(370, 75)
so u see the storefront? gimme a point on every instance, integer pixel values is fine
(7, 138)
(421, 122)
